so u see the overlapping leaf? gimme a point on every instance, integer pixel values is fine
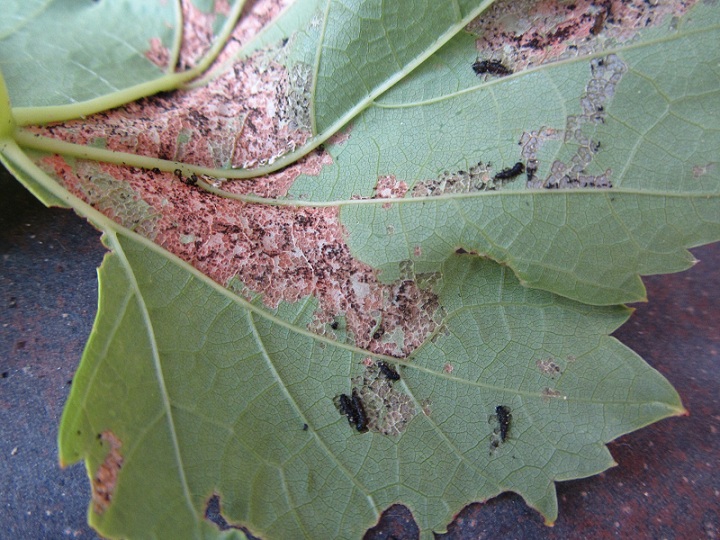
(651, 134)
(221, 376)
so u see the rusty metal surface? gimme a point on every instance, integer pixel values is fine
(667, 483)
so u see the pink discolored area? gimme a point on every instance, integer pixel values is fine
(197, 35)
(249, 115)
(388, 187)
(200, 27)
(529, 32)
(158, 54)
(238, 119)
(255, 16)
(282, 253)
(105, 479)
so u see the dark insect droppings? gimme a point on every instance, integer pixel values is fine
(512, 172)
(531, 169)
(389, 371)
(504, 418)
(493, 67)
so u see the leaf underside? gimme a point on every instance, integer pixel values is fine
(391, 181)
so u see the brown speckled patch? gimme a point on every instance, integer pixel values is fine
(105, 479)
(526, 33)
(281, 253)
(387, 408)
(549, 393)
(236, 120)
(199, 29)
(197, 35)
(548, 366)
(388, 187)
(158, 54)
(702, 170)
(480, 177)
(255, 16)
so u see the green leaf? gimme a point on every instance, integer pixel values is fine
(90, 65)
(367, 47)
(86, 57)
(651, 134)
(234, 315)
(207, 393)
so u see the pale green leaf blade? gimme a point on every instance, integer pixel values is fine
(106, 54)
(652, 135)
(365, 47)
(207, 394)
(58, 53)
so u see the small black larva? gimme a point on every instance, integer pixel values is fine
(389, 371)
(493, 67)
(504, 418)
(511, 172)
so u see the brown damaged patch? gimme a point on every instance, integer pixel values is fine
(254, 17)
(526, 33)
(388, 187)
(108, 193)
(239, 119)
(549, 367)
(388, 410)
(158, 54)
(549, 393)
(606, 75)
(105, 479)
(199, 32)
(199, 29)
(480, 177)
(282, 253)
(702, 170)
(197, 37)
(250, 115)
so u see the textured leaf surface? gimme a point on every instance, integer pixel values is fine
(187, 390)
(86, 58)
(233, 315)
(206, 394)
(641, 117)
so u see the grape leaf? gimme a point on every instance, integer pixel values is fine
(580, 126)
(234, 316)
